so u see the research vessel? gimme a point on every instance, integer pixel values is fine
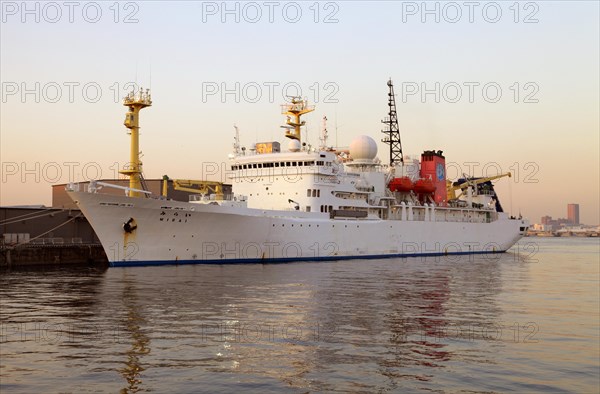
(302, 203)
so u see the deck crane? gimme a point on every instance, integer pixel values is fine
(195, 186)
(463, 184)
(478, 185)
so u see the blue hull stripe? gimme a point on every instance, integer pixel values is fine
(141, 263)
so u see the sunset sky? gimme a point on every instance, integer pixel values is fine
(510, 87)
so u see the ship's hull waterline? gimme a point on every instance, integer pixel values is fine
(171, 232)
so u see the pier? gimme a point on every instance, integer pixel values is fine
(47, 236)
(65, 254)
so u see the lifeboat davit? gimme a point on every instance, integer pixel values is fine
(403, 184)
(424, 186)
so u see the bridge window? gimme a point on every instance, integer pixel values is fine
(307, 192)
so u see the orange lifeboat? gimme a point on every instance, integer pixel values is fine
(403, 184)
(424, 186)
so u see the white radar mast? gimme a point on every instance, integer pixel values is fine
(236, 142)
(324, 135)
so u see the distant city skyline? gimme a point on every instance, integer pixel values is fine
(572, 217)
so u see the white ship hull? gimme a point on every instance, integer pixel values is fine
(172, 232)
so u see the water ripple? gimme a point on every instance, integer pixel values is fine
(471, 325)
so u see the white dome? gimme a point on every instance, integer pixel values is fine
(294, 146)
(363, 148)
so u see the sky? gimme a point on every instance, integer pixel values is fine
(498, 86)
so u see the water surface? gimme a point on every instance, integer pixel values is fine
(524, 321)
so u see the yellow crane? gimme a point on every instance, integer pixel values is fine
(194, 186)
(451, 188)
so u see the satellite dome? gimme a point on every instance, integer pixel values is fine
(294, 146)
(363, 149)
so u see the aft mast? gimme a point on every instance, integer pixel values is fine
(295, 109)
(392, 130)
(135, 102)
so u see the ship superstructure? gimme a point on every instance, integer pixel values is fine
(304, 203)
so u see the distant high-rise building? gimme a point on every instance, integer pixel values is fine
(546, 219)
(573, 213)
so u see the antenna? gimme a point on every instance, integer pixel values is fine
(392, 130)
(336, 129)
(236, 140)
(306, 134)
(324, 136)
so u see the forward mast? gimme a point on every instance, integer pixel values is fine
(135, 103)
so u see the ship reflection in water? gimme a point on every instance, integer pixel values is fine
(133, 326)
(446, 324)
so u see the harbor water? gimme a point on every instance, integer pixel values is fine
(522, 321)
